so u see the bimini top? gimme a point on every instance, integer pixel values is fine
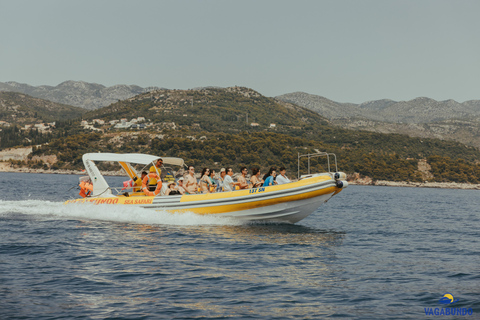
(138, 158)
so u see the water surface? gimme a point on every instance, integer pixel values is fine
(369, 253)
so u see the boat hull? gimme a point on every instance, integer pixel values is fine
(281, 203)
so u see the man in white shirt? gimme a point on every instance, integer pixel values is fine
(228, 183)
(223, 172)
(282, 178)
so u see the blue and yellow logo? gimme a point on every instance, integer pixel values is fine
(447, 299)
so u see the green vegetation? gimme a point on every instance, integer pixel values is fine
(445, 169)
(18, 108)
(211, 129)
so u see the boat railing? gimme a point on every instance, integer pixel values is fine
(316, 155)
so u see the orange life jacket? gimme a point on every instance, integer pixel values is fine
(86, 189)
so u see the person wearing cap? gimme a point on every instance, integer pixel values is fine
(172, 191)
(180, 187)
(152, 185)
(223, 173)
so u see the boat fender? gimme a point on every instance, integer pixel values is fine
(145, 184)
(339, 175)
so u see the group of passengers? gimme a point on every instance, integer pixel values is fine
(207, 182)
(225, 182)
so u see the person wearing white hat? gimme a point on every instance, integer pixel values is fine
(223, 173)
(172, 191)
(180, 187)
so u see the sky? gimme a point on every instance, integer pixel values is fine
(347, 51)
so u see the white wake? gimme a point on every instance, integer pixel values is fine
(105, 212)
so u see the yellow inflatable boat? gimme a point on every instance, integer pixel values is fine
(289, 202)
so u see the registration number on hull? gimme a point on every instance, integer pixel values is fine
(257, 190)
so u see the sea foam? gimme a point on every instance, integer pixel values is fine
(105, 212)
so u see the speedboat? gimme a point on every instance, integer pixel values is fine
(290, 202)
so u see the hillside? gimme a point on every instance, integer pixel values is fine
(23, 109)
(235, 126)
(419, 110)
(421, 117)
(77, 93)
(232, 109)
(209, 127)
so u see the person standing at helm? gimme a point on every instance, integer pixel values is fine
(152, 184)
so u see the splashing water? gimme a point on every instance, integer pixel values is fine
(105, 212)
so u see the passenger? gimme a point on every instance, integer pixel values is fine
(171, 191)
(137, 184)
(255, 180)
(242, 180)
(282, 177)
(228, 183)
(270, 179)
(220, 180)
(86, 188)
(205, 182)
(155, 169)
(180, 187)
(191, 185)
(269, 173)
(213, 187)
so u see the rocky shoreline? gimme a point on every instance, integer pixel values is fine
(5, 167)
(443, 185)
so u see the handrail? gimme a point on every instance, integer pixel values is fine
(314, 155)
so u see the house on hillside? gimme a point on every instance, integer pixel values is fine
(254, 124)
(123, 125)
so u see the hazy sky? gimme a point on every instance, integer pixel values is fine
(347, 51)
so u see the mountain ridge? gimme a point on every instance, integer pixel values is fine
(21, 108)
(420, 117)
(418, 110)
(81, 94)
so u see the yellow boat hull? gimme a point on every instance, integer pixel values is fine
(282, 203)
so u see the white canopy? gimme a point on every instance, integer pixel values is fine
(131, 158)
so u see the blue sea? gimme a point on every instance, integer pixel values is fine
(369, 253)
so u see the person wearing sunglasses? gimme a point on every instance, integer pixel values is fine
(242, 180)
(191, 185)
(152, 183)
